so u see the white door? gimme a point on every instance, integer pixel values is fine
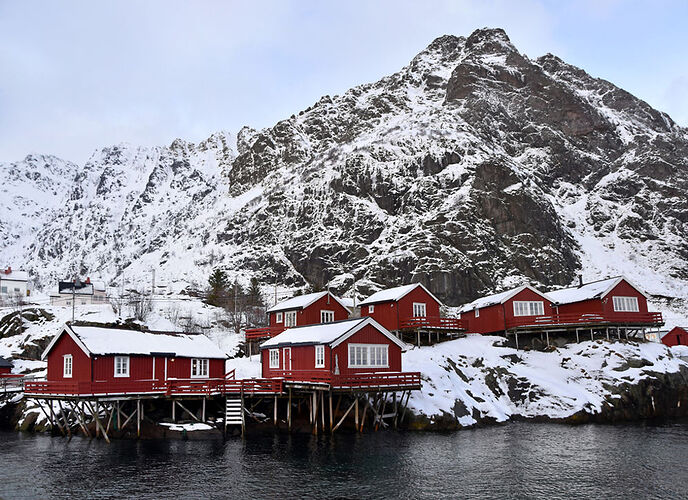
(286, 362)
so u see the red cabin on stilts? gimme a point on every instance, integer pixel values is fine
(676, 336)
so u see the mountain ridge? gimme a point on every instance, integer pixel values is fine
(473, 168)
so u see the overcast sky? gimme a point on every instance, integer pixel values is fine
(75, 76)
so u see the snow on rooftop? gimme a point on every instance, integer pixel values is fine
(389, 294)
(298, 302)
(593, 290)
(100, 340)
(324, 333)
(14, 275)
(490, 300)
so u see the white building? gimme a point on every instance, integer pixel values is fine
(82, 293)
(14, 283)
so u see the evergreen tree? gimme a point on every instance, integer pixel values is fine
(255, 296)
(217, 287)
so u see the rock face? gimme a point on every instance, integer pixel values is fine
(474, 168)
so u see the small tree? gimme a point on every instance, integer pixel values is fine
(255, 295)
(218, 285)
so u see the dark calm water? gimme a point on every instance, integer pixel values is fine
(512, 461)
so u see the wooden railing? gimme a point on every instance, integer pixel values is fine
(434, 322)
(206, 387)
(264, 332)
(356, 380)
(650, 319)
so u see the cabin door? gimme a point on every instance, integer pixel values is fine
(286, 362)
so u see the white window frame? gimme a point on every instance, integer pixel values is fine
(274, 355)
(278, 317)
(477, 313)
(363, 355)
(290, 319)
(200, 368)
(320, 356)
(121, 366)
(371, 309)
(325, 314)
(529, 308)
(67, 366)
(420, 307)
(625, 304)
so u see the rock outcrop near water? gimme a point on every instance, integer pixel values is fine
(481, 381)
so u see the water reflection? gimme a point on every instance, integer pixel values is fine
(512, 461)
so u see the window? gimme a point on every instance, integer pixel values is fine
(529, 308)
(199, 368)
(625, 304)
(274, 358)
(477, 313)
(69, 302)
(16, 290)
(290, 318)
(67, 366)
(419, 310)
(326, 316)
(3, 289)
(320, 356)
(368, 356)
(83, 302)
(371, 309)
(278, 317)
(121, 366)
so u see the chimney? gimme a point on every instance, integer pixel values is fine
(9, 270)
(580, 280)
(88, 280)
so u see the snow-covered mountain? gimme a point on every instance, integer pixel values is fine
(471, 169)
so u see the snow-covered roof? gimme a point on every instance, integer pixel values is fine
(69, 288)
(500, 298)
(347, 302)
(588, 291)
(14, 275)
(104, 341)
(394, 294)
(301, 302)
(327, 333)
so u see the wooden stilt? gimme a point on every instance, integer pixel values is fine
(577, 337)
(243, 410)
(418, 334)
(356, 417)
(54, 420)
(203, 403)
(98, 424)
(119, 416)
(187, 411)
(289, 410)
(322, 410)
(365, 409)
(331, 415)
(547, 334)
(64, 419)
(174, 411)
(346, 413)
(607, 332)
(591, 335)
(138, 417)
(274, 413)
(315, 413)
(110, 415)
(78, 410)
(394, 399)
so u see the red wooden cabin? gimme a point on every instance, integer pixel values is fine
(109, 359)
(503, 311)
(407, 307)
(614, 301)
(325, 352)
(676, 336)
(309, 309)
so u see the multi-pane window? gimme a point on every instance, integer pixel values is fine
(67, 366)
(290, 318)
(368, 356)
(320, 356)
(326, 316)
(121, 366)
(625, 304)
(419, 310)
(199, 368)
(529, 308)
(278, 317)
(274, 358)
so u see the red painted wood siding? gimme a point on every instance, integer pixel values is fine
(390, 314)
(677, 336)
(303, 357)
(81, 363)
(311, 314)
(141, 368)
(606, 304)
(5, 369)
(492, 318)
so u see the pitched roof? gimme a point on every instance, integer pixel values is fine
(301, 301)
(5, 363)
(107, 341)
(394, 294)
(331, 334)
(588, 291)
(80, 288)
(500, 298)
(14, 275)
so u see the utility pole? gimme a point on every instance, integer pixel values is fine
(73, 296)
(153, 282)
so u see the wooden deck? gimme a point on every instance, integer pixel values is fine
(573, 321)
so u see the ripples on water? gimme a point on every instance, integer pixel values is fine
(512, 461)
